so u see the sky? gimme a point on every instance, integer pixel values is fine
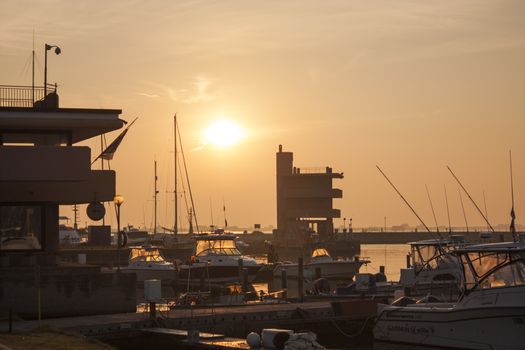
(411, 86)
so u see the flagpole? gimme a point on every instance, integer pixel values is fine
(175, 223)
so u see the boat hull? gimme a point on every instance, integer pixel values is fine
(167, 276)
(218, 273)
(491, 328)
(344, 270)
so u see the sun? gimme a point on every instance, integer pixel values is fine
(223, 133)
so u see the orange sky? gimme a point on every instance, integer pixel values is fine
(409, 85)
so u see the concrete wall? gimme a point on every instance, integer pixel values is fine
(66, 291)
(99, 186)
(44, 163)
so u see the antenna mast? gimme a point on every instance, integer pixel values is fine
(403, 198)
(472, 200)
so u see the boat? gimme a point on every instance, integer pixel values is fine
(68, 235)
(490, 314)
(148, 263)
(432, 261)
(322, 264)
(135, 236)
(216, 258)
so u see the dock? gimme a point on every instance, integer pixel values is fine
(232, 321)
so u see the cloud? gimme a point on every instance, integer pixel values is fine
(148, 95)
(199, 91)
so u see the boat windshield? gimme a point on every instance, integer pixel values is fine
(320, 252)
(143, 254)
(216, 247)
(493, 269)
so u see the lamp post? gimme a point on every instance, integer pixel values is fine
(118, 200)
(57, 51)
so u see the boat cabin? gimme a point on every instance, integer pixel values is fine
(493, 265)
(216, 245)
(145, 254)
(430, 255)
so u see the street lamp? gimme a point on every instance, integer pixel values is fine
(57, 51)
(118, 200)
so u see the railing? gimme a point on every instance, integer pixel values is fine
(22, 96)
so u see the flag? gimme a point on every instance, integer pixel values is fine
(512, 225)
(109, 152)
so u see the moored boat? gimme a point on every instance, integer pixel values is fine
(148, 263)
(489, 315)
(321, 262)
(216, 258)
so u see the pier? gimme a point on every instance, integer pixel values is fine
(233, 321)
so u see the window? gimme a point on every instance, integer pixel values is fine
(20, 227)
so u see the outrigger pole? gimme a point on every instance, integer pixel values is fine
(472, 200)
(406, 202)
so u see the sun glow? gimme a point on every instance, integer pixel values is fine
(223, 133)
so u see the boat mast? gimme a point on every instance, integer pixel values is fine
(175, 223)
(155, 200)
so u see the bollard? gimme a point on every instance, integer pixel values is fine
(300, 279)
(408, 261)
(245, 280)
(317, 273)
(284, 284)
(382, 269)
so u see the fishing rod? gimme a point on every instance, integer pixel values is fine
(448, 211)
(463, 208)
(472, 200)
(432, 207)
(403, 198)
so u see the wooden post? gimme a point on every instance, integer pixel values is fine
(245, 280)
(317, 273)
(10, 320)
(284, 284)
(240, 262)
(382, 270)
(152, 310)
(300, 279)
(408, 261)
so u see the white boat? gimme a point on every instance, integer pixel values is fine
(68, 235)
(148, 263)
(323, 263)
(433, 261)
(489, 315)
(216, 259)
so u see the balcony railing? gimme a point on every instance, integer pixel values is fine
(22, 96)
